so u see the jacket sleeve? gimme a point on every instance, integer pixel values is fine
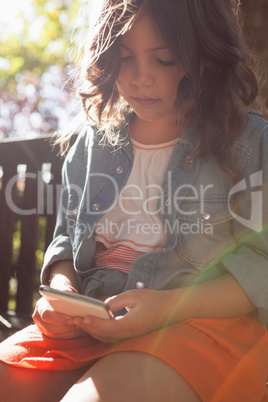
(73, 168)
(60, 248)
(249, 261)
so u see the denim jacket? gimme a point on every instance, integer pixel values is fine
(207, 238)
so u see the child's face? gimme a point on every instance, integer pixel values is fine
(148, 78)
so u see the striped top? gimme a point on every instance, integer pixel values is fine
(132, 225)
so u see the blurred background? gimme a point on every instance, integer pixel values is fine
(38, 47)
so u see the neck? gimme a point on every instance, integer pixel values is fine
(153, 132)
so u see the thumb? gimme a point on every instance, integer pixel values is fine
(122, 300)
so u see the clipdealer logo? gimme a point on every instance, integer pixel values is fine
(47, 199)
(255, 220)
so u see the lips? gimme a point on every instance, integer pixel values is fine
(145, 101)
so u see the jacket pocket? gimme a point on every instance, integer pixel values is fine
(204, 230)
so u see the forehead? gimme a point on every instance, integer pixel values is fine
(143, 35)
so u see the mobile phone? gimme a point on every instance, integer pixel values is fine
(74, 304)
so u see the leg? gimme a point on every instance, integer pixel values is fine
(132, 377)
(29, 385)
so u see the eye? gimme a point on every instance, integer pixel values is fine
(125, 59)
(168, 63)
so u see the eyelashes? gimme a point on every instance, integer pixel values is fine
(168, 63)
(125, 59)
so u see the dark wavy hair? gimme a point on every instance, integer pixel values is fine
(207, 32)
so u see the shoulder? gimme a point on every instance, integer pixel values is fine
(85, 140)
(75, 164)
(252, 139)
(252, 132)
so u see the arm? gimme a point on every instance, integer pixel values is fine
(60, 248)
(151, 309)
(58, 270)
(219, 298)
(62, 276)
(248, 263)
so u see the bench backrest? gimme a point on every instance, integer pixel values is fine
(30, 178)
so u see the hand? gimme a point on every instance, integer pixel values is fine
(147, 310)
(52, 324)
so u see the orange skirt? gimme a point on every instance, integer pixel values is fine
(222, 359)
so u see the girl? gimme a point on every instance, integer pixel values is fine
(163, 214)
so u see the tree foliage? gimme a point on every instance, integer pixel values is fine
(43, 40)
(36, 51)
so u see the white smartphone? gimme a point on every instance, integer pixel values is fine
(74, 304)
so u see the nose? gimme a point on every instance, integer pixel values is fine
(142, 75)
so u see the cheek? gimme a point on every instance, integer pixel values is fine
(171, 88)
(121, 82)
(173, 84)
(119, 87)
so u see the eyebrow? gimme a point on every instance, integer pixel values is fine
(149, 50)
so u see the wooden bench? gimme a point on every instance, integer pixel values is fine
(30, 177)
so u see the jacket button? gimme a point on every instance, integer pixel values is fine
(206, 216)
(74, 250)
(189, 159)
(168, 202)
(96, 207)
(140, 285)
(119, 170)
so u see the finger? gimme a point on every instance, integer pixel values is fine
(52, 317)
(55, 329)
(59, 332)
(122, 300)
(76, 333)
(107, 331)
(98, 328)
(48, 315)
